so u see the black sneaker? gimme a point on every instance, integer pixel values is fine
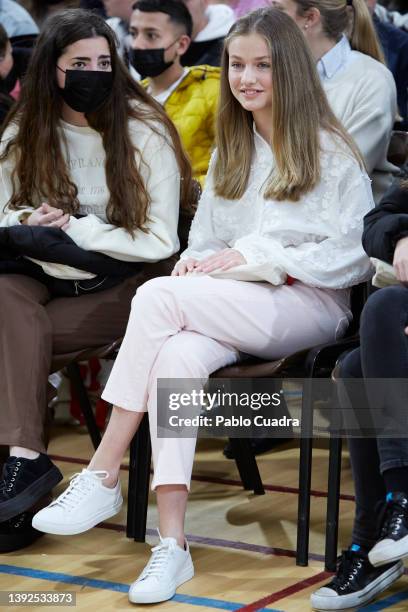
(24, 482)
(393, 542)
(17, 533)
(356, 582)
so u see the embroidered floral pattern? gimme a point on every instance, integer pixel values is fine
(316, 240)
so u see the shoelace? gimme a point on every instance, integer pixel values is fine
(159, 560)
(393, 517)
(11, 469)
(348, 568)
(80, 485)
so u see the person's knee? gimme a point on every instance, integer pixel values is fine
(385, 311)
(154, 291)
(10, 290)
(20, 296)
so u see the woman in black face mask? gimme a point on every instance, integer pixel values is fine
(90, 170)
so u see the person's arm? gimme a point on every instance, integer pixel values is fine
(8, 217)
(162, 178)
(334, 260)
(18, 22)
(386, 224)
(372, 118)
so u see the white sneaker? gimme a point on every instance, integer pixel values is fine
(84, 504)
(168, 567)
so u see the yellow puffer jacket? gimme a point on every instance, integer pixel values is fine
(192, 107)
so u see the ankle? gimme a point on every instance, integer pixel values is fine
(25, 453)
(396, 479)
(111, 480)
(177, 535)
(112, 474)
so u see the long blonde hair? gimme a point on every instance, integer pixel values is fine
(353, 19)
(299, 110)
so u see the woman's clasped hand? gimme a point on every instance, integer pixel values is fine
(221, 260)
(48, 216)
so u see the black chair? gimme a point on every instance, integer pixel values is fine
(317, 362)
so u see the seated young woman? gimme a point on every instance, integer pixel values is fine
(285, 196)
(86, 151)
(360, 89)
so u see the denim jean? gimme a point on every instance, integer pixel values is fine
(383, 353)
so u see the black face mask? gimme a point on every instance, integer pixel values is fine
(149, 62)
(86, 91)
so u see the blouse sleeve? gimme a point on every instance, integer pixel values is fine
(334, 260)
(202, 240)
(8, 217)
(161, 173)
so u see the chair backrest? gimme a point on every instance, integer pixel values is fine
(186, 217)
(398, 148)
(358, 297)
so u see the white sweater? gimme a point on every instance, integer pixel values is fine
(363, 97)
(85, 157)
(316, 240)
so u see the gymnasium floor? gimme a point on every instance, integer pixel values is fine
(242, 545)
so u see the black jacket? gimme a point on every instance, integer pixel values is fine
(386, 224)
(54, 245)
(203, 52)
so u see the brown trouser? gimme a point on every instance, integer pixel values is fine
(37, 331)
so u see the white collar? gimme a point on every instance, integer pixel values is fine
(261, 145)
(333, 60)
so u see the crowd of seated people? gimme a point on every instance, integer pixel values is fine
(283, 111)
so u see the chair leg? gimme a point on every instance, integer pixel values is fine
(139, 480)
(247, 465)
(333, 500)
(75, 377)
(305, 475)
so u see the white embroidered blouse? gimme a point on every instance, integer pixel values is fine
(316, 240)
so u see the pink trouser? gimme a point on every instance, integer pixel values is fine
(188, 327)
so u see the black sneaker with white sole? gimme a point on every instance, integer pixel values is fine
(24, 482)
(356, 582)
(393, 542)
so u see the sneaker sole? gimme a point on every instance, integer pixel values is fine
(399, 551)
(354, 600)
(31, 494)
(76, 528)
(157, 597)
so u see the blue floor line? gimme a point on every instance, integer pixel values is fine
(29, 572)
(386, 603)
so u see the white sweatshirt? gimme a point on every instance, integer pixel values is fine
(85, 157)
(316, 240)
(362, 95)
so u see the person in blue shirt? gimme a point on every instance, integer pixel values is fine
(16, 20)
(394, 42)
